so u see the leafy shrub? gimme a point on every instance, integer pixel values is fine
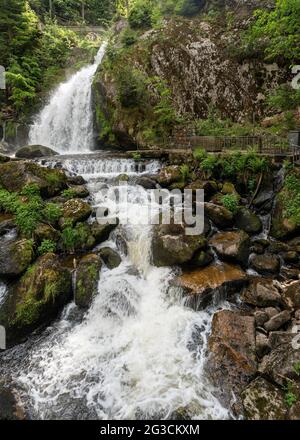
(291, 198)
(131, 88)
(136, 155)
(231, 202)
(68, 194)
(140, 16)
(284, 98)
(46, 247)
(52, 212)
(185, 172)
(129, 37)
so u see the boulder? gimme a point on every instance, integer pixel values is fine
(262, 292)
(232, 361)
(44, 231)
(262, 345)
(36, 298)
(229, 188)
(10, 408)
(171, 246)
(279, 365)
(4, 158)
(6, 223)
(15, 257)
(146, 182)
(35, 151)
(265, 264)
(290, 257)
(219, 215)
(76, 180)
(110, 257)
(169, 175)
(248, 221)
(201, 285)
(15, 175)
(87, 278)
(79, 191)
(264, 401)
(294, 245)
(232, 246)
(101, 233)
(277, 321)
(292, 295)
(210, 187)
(202, 258)
(75, 210)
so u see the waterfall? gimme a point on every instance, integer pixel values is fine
(66, 122)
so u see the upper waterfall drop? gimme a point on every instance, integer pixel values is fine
(66, 122)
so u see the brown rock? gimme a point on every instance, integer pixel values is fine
(292, 295)
(277, 321)
(266, 264)
(232, 246)
(261, 293)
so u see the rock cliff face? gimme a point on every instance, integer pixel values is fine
(202, 65)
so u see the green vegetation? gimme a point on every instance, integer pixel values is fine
(185, 172)
(136, 155)
(231, 202)
(46, 247)
(290, 197)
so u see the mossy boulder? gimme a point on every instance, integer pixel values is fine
(219, 215)
(74, 211)
(282, 227)
(45, 232)
(169, 175)
(15, 175)
(266, 264)
(36, 298)
(35, 151)
(15, 257)
(110, 257)
(248, 221)
(87, 278)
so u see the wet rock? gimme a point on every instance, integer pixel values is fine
(6, 224)
(76, 180)
(232, 246)
(261, 317)
(219, 215)
(210, 187)
(232, 361)
(277, 321)
(36, 298)
(101, 233)
(290, 273)
(290, 257)
(261, 293)
(201, 285)
(10, 408)
(79, 191)
(202, 258)
(266, 264)
(279, 365)
(169, 175)
(263, 401)
(4, 158)
(172, 246)
(15, 175)
(35, 151)
(292, 295)
(75, 210)
(123, 178)
(15, 257)
(248, 221)
(87, 278)
(110, 257)
(271, 311)
(263, 346)
(146, 182)
(294, 244)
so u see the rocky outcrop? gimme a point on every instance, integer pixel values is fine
(232, 363)
(36, 298)
(282, 227)
(35, 151)
(15, 257)
(201, 285)
(232, 246)
(15, 175)
(110, 258)
(74, 211)
(87, 278)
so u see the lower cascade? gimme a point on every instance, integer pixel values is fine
(137, 353)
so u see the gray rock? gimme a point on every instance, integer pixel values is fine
(261, 293)
(35, 151)
(248, 221)
(277, 321)
(266, 264)
(263, 346)
(110, 257)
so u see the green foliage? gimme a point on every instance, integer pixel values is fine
(186, 8)
(231, 202)
(276, 31)
(69, 237)
(140, 15)
(290, 197)
(129, 37)
(68, 194)
(131, 87)
(136, 155)
(47, 246)
(290, 396)
(284, 98)
(52, 213)
(185, 172)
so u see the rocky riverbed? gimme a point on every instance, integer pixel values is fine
(248, 256)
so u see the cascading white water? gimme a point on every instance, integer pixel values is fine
(3, 291)
(138, 352)
(66, 122)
